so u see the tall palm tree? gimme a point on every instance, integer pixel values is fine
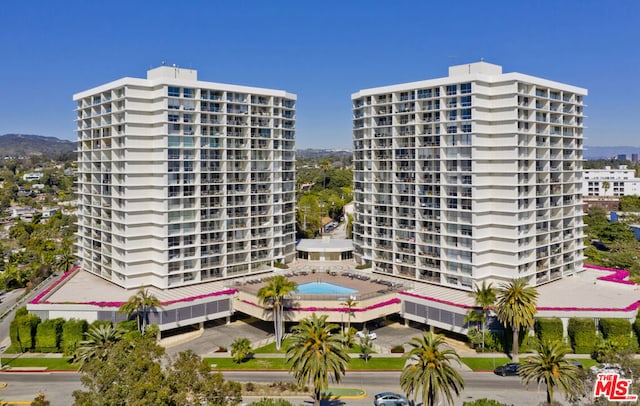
(141, 304)
(515, 307)
(98, 340)
(272, 294)
(430, 369)
(350, 304)
(484, 296)
(551, 367)
(315, 354)
(65, 260)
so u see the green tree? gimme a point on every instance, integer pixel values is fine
(515, 308)
(97, 343)
(272, 294)
(550, 366)
(428, 374)
(132, 373)
(240, 349)
(349, 304)
(271, 402)
(366, 346)
(140, 304)
(606, 186)
(315, 354)
(65, 260)
(39, 400)
(191, 383)
(484, 296)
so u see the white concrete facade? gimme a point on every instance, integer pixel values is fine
(471, 177)
(611, 182)
(182, 181)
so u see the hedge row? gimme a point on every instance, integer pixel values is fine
(29, 333)
(616, 331)
(549, 329)
(582, 335)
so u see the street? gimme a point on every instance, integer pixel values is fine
(23, 387)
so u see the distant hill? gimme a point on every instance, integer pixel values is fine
(21, 145)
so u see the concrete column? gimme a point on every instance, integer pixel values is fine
(228, 319)
(432, 329)
(201, 326)
(565, 327)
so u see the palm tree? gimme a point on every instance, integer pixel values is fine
(515, 307)
(551, 367)
(240, 349)
(315, 354)
(430, 369)
(141, 304)
(350, 304)
(484, 296)
(98, 340)
(65, 260)
(272, 293)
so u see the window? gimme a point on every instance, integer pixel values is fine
(465, 101)
(465, 114)
(174, 91)
(452, 129)
(452, 90)
(465, 88)
(173, 118)
(174, 104)
(424, 93)
(466, 128)
(188, 93)
(452, 115)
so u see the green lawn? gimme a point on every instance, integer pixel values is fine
(484, 364)
(271, 348)
(63, 364)
(394, 364)
(343, 393)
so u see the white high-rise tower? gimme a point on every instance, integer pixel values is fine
(471, 177)
(183, 181)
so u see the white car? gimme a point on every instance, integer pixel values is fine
(371, 335)
(607, 369)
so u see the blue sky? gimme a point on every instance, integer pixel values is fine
(322, 51)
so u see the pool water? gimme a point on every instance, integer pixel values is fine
(323, 288)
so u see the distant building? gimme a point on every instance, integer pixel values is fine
(610, 182)
(634, 157)
(622, 157)
(32, 176)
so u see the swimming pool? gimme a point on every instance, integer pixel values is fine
(323, 288)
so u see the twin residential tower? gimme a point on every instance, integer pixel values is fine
(182, 181)
(475, 176)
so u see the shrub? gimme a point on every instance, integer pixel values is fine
(364, 266)
(21, 311)
(48, 334)
(23, 331)
(612, 328)
(397, 349)
(636, 328)
(483, 402)
(582, 335)
(549, 329)
(128, 325)
(72, 333)
(271, 402)
(280, 265)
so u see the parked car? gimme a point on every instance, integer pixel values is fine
(370, 334)
(607, 369)
(510, 369)
(390, 399)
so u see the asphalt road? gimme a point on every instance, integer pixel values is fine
(58, 387)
